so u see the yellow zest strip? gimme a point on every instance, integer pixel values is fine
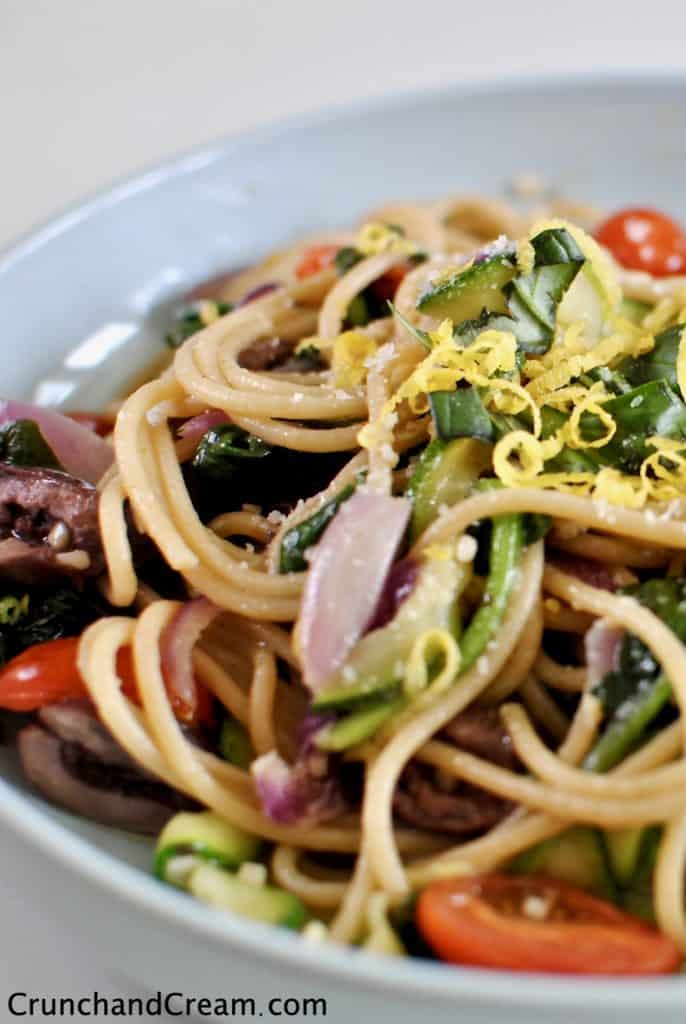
(375, 237)
(446, 365)
(352, 352)
(518, 458)
(426, 647)
(565, 367)
(573, 433)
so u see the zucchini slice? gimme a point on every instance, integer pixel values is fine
(190, 838)
(266, 903)
(376, 665)
(466, 293)
(576, 856)
(624, 848)
(234, 744)
(359, 725)
(444, 475)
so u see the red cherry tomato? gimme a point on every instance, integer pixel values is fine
(645, 240)
(42, 675)
(529, 923)
(47, 673)
(315, 259)
(387, 285)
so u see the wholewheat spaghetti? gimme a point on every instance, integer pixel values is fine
(512, 398)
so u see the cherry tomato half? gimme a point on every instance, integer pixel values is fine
(42, 675)
(530, 923)
(47, 673)
(387, 285)
(645, 240)
(315, 259)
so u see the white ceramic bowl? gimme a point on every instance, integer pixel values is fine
(76, 300)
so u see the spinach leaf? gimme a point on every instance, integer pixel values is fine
(557, 262)
(467, 331)
(12, 609)
(188, 320)
(637, 691)
(306, 360)
(346, 258)
(653, 408)
(533, 298)
(302, 536)
(22, 444)
(358, 313)
(223, 448)
(461, 413)
(42, 615)
(659, 363)
(615, 382)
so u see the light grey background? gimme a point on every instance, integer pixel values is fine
(93, 89)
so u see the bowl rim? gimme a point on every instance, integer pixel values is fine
(412, 978)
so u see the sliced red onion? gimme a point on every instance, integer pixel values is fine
(259, 292)
(194, 429)
(348, 570)
(602, 644)
(306, 792)
(596, 574)
(176, 653)
(400, 583)
(80, 451)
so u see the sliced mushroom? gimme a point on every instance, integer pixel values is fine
(480, 731)
(74, 722)
(265, 353)
(428, 800)
(421, 800)
(74, 762)
(48, 525)
(43, 765)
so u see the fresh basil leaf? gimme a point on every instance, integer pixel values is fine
(533, 298)
(659, 363)
(469, 330)
(421, 336)
(307, 359)
(651, 409)
(346, 258)
(461, 413)
(22, 444)
(188, 320)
